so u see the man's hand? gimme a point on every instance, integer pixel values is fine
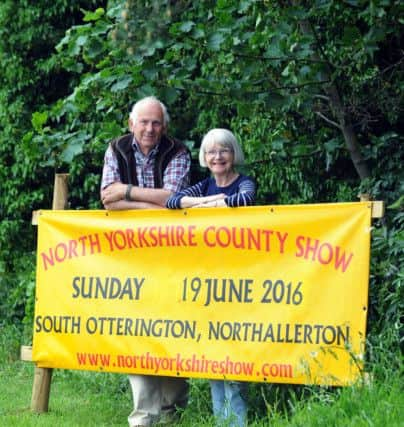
(113, 193)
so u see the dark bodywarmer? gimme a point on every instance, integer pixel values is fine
(122, 147)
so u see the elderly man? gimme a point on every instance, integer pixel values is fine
(141, 170)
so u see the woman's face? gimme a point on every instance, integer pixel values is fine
(219, 159)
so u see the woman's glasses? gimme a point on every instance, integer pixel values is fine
(222, 152)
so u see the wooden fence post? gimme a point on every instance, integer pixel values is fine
(43, 376)
(60, 191)
(377, 206)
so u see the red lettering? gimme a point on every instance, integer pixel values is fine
(220, 232)
(340, 259)
(325, 259)
(205, 236)
(60, 257)
(191, 235)
(119, 243)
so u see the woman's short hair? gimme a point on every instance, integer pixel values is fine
(139, 104)
(222, 137)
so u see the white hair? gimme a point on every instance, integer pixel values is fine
(149, 99)
(226, 139)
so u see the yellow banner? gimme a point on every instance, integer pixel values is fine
(269, 293)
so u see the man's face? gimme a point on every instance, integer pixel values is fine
(149, 127)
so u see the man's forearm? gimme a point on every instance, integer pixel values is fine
(119, 192)
(157, 196)
(122, 205)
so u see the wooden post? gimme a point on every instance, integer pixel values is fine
(41, 389)
(43, 376)
(60, 191)
(377, 206)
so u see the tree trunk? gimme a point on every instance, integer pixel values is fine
(343, 120)
(348, 132)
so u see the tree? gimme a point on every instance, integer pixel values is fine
(29, 81)
(312, 89)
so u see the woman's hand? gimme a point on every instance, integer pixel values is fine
(207, 201)
(189, 202)
(215, 200)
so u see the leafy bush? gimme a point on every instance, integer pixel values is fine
(313, 92)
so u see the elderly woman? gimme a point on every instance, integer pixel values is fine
(220, 152)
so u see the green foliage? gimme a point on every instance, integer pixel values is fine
(30, 81)
(302, 84)
(10, 342)
(85, 399)
(386, 278)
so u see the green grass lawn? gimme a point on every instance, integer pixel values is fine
(98, 399)
(72, 402)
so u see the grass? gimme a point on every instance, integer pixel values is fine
(91, 399)
(74, 400)
(94, 399)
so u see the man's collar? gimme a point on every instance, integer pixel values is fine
(136, 147)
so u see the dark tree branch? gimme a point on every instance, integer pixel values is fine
(280, 58)
(290, 156)
(343, 119)
(329, 121)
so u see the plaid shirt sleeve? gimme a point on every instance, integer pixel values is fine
(176, 175)
(110, 172)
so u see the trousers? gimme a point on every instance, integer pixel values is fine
(155, 397)
(229, 402)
